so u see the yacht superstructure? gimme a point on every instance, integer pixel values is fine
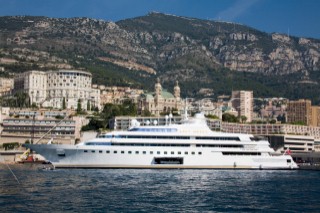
(188, 145)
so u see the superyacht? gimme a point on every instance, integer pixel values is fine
(191, 145)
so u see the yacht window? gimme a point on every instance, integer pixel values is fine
(288, 161)
(100, 151)
(241, 153)
(151, 152)
(144, 152)
(192, 153)
(108, 151)
(218, 138)
(148, 144)
(200, 153)
(85, 150)
(93, 151)
(220, 145)
(129, 152)
(172, 153)
(179, 153)
(158, 152)
(115, 152)
(165, 153)
(185, 153)
(137, 152)
(122, 152)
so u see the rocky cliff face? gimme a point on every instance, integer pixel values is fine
(169, 46)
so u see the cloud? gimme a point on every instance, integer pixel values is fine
(236, 10)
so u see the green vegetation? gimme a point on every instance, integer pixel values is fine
(101, 120)
(21, 100)
(64, 103)
(301, 123)
(230, 118)
(212, 116)
(10, 146)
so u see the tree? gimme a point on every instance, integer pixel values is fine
(282, 118)
(243, 118)
(79, 109)
(64, 103)
(95, 123)
(146, 113)
(128, 108)
(273, 121)
(88, 106)
(229, 118)
(34, 105)
(21, 100)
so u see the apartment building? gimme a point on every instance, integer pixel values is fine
(242, 102)
(299, 111)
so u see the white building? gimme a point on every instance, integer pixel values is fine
(68, 87)
(58, 89)
(34, 83)
(299, 143)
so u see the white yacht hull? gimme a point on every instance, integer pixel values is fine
(73, 156)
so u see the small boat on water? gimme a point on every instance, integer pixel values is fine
(191, 145)
(27, 157)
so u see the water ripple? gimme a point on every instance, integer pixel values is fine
(123, 190)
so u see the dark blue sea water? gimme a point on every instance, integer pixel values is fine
(124, 190)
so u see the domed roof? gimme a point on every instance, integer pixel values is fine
(165, 94)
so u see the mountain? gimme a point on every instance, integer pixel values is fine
(201, 54)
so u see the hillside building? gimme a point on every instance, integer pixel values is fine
(6, 85)
(58, 89)
(116, 95)
(161, 101)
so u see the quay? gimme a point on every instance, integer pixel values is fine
(309, 167)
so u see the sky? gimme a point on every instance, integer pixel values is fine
(294, 17)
